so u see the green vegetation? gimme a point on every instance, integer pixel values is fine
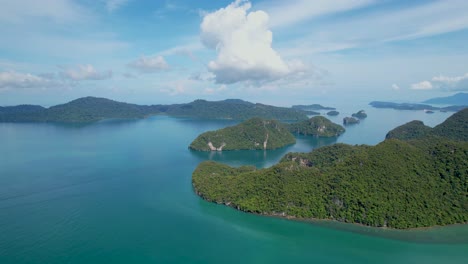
(454, 128)
(418, 182)
(313, 107)
(333, 113)
(411, 130)
(87, 109)
(257, 133)
(233, 109)
(254, 133)
(360, 114)
(350, 121)
(91, 109)
(317, 126)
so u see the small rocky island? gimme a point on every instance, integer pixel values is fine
(333, 113)
(360, 114)
(317, 126)
(350, 121)
(257, 134)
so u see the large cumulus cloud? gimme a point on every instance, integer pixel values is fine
(243, 44)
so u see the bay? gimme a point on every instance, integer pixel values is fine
(120, 192)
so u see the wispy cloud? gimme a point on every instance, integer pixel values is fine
(287, 13)
(424, 85)
(85, 72)
(407, 23)
(59, 11)
(113, 5)
(447, 83)
(150, 64)
(17, 80)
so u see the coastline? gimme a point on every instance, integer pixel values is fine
(333, 223)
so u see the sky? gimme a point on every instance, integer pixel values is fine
(269, 51)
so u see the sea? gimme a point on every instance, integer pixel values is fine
(120, 191)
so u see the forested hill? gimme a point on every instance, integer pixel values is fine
(255, 133)
(233, 109)
(318, 126)
(87, 109)
(91, 109)
(419, 182)
(454, 128)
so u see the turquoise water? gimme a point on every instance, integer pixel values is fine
(120, 192)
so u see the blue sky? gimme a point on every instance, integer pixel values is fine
(277, 52)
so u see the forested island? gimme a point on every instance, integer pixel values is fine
(257, 133)
(361, 114)
(410, 106)
(350, 121)
(316, 107)
(92, 109)
(317, 126)
(418, 177)
(333, 113)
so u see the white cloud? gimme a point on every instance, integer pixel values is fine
(17, 80)
(424, 85)
(187, 50)
(286, 13)
(216, 90)
(20, 11)
(112, 5)
(177, 88)
(395, 87)
(242, 41)
(85, 72)
(457, 83)
(149, 64)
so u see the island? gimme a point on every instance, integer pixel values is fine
(317, 126)
(92, 109)
(419, 182)
(410, 106)
(350, 121)
(360, 114)
(255, 133)
(333, 113)
(313, 107)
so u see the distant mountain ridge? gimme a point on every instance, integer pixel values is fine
(313, 107)
(92, 109)
(456, 99)
(412, 106)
